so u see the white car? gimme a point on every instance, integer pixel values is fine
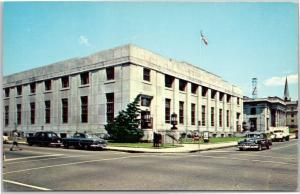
(5, 139)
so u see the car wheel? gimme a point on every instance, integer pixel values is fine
(287, 138)
(66, 145)
(30, 144)
(241, 149)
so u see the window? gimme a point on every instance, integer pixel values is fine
(147, 74)
(84, 78)
(181, 112)
(253, 111)
(32, 88)
(292, 120)
(292, 115)
(221, 95)
(167, 110)
(193, 111)
(6, 115)
(194, 88)
(212, 116)
(169, 81)
(110, 107)
(220, 117)
(146, 101)
(6, 91)
(47, 111)
(65, 82)
(19, 90)
(204, 91)
(238, 101)
(238, 115)
(65, 107)
(19, 113)
(84, 109)
(227, 117)
(110, 73)
(182, 85)
(228, 98)
(213, 94)
(48, 85)
(32, 112)
(203, 115)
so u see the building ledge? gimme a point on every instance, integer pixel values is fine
(110, 82)
(84, 86)
(146, 82)
(63, 89)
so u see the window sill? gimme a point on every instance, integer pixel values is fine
(182, 92)
(19, 96)
(170, 89)
(50, 91)
(192, 94)
(84, 86)
(63, 89)
(110, 81)
(146, 82)
(32, 94)
(5, 98)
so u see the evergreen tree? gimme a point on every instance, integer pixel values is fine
(125, 127)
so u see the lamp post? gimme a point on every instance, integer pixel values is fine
(199, 123)
(174, 121)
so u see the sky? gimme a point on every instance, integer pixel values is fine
(245, 40)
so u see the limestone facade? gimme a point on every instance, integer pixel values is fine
(80, 94)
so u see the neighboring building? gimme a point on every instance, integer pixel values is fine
(262, 113)
(291, 109)
(292, 114)
(85, 93)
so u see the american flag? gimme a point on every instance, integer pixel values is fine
(204, 39)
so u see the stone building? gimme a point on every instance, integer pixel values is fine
(84, 93)
(262, 113)
(291, 109)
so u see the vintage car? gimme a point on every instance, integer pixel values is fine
(255, 140)
(84, 140)
(45, 138)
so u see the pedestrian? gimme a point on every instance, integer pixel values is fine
(15, 140)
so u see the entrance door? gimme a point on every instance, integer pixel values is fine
(253, 122)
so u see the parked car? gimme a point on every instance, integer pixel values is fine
(84, 140)
(5, 139)
(44, 138)
(281, 134)
(255, 140)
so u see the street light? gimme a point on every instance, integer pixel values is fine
(174, 121)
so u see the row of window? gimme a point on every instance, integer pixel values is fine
(84, 80)
(169, 80)
(193, 112)
(65, 110)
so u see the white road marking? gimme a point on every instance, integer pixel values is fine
(45, 159)
(29, 157)
(26, 185)
(277, 148)
(288, 157)
(73, 163)
(243, 159)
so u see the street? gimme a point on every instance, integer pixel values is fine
(57, 169)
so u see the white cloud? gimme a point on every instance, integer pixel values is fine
(84, 40)
(280, 81)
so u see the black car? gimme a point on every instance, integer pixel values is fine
(255, 140)
(84, 140)
(45, 138)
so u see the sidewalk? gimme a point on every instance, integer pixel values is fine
(185, 149)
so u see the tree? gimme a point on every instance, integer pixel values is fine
(125, 127)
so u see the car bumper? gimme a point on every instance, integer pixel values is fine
(55, 144)
(243, 146)
(98, 145)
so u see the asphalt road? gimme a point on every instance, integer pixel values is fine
(57, 169)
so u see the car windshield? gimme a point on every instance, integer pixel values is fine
(254, 135)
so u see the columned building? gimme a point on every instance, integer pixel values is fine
(84, 94)
(262, 113)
